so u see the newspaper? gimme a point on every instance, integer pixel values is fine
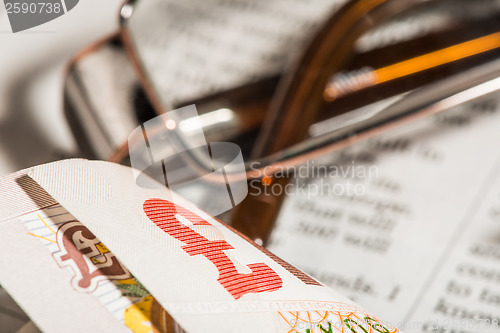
(407, 224)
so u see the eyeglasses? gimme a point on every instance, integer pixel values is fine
(299, 83)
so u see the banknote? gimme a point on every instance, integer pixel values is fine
(84, 248)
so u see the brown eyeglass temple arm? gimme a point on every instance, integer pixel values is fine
(300, 94)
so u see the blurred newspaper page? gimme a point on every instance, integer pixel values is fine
(406, 224)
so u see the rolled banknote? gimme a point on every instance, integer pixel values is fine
(84, 249)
